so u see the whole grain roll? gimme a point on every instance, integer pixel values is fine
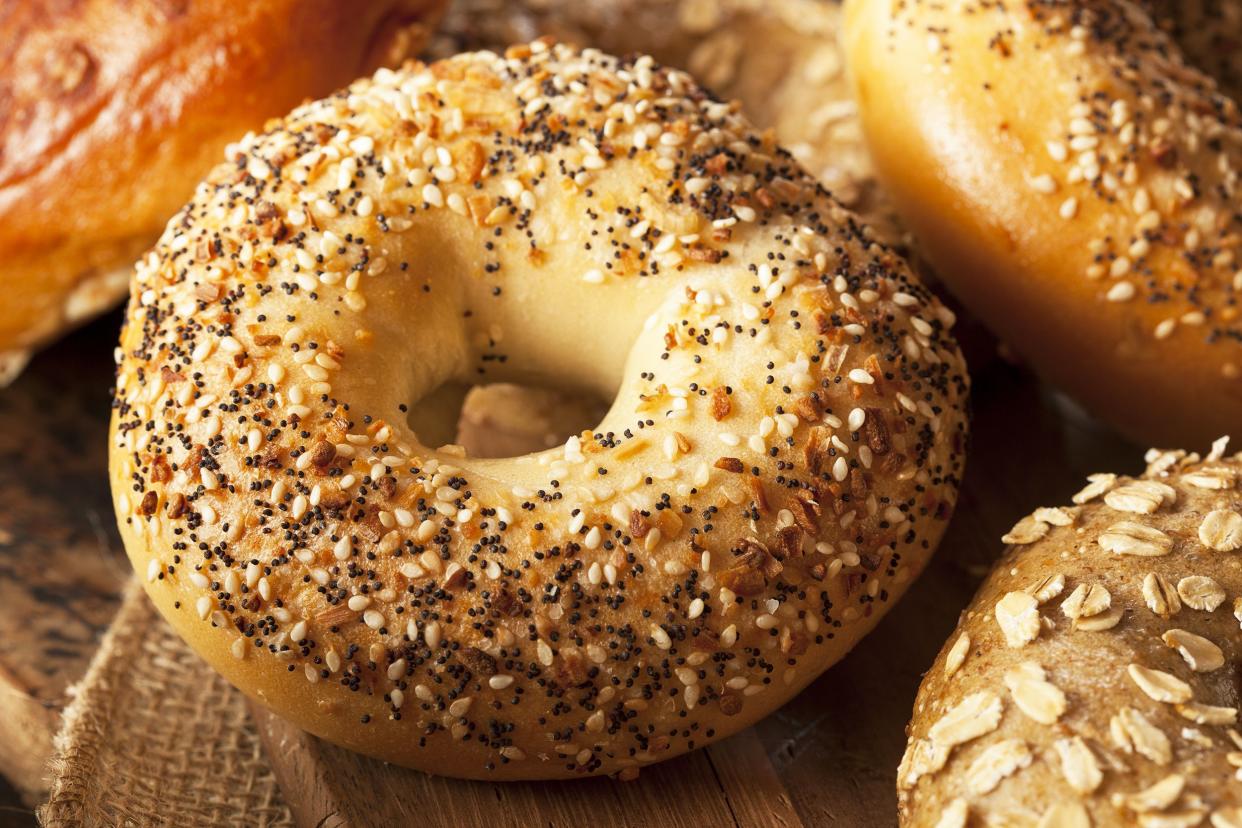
(1096, 677)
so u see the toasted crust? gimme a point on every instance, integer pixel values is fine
(110, 112)
(1074, 182)
(1094, 680)
(781, 456)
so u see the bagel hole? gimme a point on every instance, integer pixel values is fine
(504, 419)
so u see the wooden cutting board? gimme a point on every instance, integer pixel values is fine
(829, 757)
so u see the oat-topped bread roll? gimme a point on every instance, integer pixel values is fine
(1095, 678)
(111, 111)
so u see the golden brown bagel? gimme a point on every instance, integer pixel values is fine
(779, 461)
(110, 112)
(780, 58)
(1075, 183)
(1094, 680)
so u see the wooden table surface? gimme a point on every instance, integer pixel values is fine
(827, 758)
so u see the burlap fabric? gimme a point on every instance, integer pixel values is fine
(154, 737)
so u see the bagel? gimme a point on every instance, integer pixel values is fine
(780, 58)
(1094, 679)
(782, 453)
(111, 112)
(1074, 181)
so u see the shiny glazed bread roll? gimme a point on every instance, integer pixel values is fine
(781, 456)
(111, 112)
(1074, 179)
(1095, 678)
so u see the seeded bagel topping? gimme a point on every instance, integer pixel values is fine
(1071, 169)
(1145, 139)
(782, 455)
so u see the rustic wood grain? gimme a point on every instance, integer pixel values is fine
(61, 564)
(731, 783)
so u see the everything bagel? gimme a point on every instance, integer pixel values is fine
(1074, 179)
(780, 58)
(780, 460)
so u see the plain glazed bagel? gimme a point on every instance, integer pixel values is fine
(1074, 180)
(1096, 677)
(779, 462)
(111, 112)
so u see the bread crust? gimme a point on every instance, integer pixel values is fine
(110, 112)
(1098, 661)
(780, 459)
(781, 58)
(1074, 182)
